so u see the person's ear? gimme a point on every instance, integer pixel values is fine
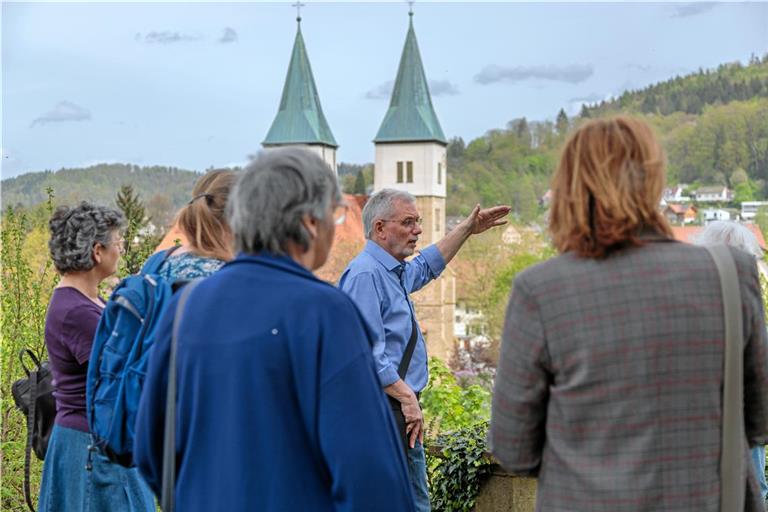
(310, 224)
(98, 251)
(378, 229)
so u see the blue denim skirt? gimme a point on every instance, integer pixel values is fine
(69, 486)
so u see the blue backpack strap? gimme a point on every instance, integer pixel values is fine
(153, 264)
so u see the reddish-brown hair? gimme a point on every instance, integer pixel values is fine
(607, 187)
(204, 221)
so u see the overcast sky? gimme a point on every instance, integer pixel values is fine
(195, 85)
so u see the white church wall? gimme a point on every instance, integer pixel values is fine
(428, 165)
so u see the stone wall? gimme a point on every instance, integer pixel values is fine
(503, 492)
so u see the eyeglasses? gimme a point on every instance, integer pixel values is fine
(119, 242)
(340, 214)
(408, 222)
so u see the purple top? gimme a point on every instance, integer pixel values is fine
(69, 328)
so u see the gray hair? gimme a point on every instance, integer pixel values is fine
(730, 233)
(75, 232)
(278, 188)
(380, 206)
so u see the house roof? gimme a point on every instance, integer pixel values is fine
(411, 116)
(688, 234)
(711, 190)
(300, 119)
(680, 209)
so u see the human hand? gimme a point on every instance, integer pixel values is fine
(487, 218)
(414, 420)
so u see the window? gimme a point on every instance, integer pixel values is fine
(439, 173)
(399, 172)
(409, 170)
(437, 219)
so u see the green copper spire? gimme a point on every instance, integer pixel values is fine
(300, 119)
(410, 117)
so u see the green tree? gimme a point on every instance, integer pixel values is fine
(562, 123)
(360, 184)
(140, 243)
(744, 192)
(761, 219)
(738, 177)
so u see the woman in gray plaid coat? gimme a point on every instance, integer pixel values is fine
(609, 381)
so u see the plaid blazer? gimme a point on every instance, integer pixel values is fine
(609, 383)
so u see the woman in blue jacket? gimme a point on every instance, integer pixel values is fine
(278, 404)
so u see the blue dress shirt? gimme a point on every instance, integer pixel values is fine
(372, 281)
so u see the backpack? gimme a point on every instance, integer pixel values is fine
(119, 356)
(34, 396)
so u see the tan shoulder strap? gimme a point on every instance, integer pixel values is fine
(732, 461)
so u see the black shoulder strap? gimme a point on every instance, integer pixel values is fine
(30, 433)
(402, 370)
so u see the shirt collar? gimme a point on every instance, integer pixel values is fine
(273, 260)
(379, 254)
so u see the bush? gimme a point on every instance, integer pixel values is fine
(456, 468)
(449, 406)
(27, 283)
(456, 414)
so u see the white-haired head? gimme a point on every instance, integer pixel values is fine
(730, 233)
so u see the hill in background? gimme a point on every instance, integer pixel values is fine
(713, 124)
(162, 189)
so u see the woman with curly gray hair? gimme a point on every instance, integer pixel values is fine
(85, 246)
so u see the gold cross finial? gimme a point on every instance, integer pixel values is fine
(298, 5)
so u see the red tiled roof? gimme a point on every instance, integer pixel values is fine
(679, 209)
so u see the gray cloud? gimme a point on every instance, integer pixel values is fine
(692, 9)
(590, 98)
(63, 111)
(381, 91)
(442, 88)
(166, 37)
(229, 36)
(436, 88)
(572, 74)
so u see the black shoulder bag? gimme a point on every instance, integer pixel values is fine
(34, 396)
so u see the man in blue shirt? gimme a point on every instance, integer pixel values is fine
(379, 281)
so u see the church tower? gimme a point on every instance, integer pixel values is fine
(411, 156)
(300, 120)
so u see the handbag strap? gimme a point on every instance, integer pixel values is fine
(31, 419)
(732, 462)
(168, 486)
